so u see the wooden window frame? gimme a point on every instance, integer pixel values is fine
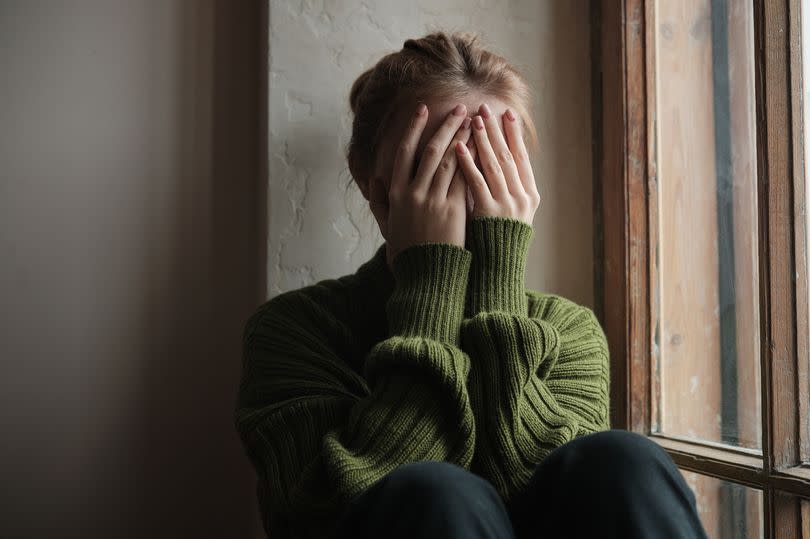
(625, 181)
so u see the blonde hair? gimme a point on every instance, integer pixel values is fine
(437, 66)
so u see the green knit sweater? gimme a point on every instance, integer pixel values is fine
(446, 358)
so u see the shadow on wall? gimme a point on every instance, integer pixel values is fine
(130, 259)
(193, 479)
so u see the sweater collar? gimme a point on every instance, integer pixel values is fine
(373, 285)
(375, 277)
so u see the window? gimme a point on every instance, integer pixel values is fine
(700, 107)
(802, 242)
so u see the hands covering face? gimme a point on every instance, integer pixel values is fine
(503, 185)
(468, 168)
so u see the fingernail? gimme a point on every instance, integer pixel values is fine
(420, 110)
(485, 112)
(466, 123)
(510, 115)
(459, 110)
(478, 122)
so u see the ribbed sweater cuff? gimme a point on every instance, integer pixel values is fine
(430, 290)
(499, 246)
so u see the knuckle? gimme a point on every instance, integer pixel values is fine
(410, 204)
(491, 168)
(505, 156)
(431, 150)
(433, 205)
(522, 201)
(404, 149)
(485, 208)
(446, 164)
(414, 197)
(456, 210)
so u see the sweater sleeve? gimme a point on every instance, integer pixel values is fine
(317, 434)
(540, 369)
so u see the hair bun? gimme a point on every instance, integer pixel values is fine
(412, 44)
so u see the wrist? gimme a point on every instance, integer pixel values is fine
(499, 247)
(430, 291)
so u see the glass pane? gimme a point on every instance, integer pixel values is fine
(805, 519)
(726, 509)
(705, 308)
(805, 17)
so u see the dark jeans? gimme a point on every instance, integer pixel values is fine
(606, 484)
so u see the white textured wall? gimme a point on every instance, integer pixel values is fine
(318, 48)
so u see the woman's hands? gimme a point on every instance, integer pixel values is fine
(507, 187)
(430, 205)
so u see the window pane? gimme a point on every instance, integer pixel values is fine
(805, 15)
(705, 308)
(727, 509)
(806, 519)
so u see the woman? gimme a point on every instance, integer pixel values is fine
(430, 394)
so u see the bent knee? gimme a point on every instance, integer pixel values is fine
(618, 450)
(432, 477)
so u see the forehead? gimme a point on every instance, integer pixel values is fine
(437, 113)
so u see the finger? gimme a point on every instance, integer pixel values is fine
(489, 162)
(449, 164)
(459, 190)
(501, 150)
(514, 136)
(403, 159)
(434, 150)
(474, 155)
(473, 149)
(458, 187)
(479, 188)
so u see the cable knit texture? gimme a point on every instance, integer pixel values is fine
(446, 357)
